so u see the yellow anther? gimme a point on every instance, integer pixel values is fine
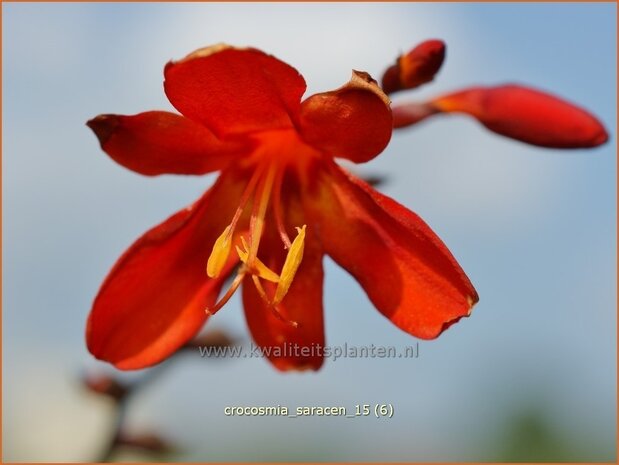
(220, 253)
(291, 265)
(257, 266)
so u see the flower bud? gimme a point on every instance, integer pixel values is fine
(415, 68)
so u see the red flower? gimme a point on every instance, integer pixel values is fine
(281, 203)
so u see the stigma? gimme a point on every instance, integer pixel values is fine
(264, 189)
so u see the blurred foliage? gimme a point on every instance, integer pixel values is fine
(530, 437)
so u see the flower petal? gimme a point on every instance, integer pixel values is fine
(154, 297)
(407, 272)
(352, 122)
(527, 115)
(158, 142)
(233, 90)
(415, 68)
(286, 346)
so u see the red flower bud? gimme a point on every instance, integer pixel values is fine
(527, 115)
(415, 68)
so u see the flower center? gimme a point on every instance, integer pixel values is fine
(264, 184)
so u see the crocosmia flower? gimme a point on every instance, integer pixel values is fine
(280, 204)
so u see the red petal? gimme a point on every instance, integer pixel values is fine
(302, 304)
(153, 299)
(352, 122)
(158, 142)
(233, 90)
(407, 272)
(415, 68)
(527, 115)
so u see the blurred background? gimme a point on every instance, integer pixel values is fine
(530, 376)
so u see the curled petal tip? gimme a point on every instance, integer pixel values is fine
(352, 122)
(471, 300)
(210, 50)
(415, 68)
(363, 76)
(363, 80)
(104, 126)
(158, 142)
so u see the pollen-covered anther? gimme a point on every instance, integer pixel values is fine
(291, 265)
(220, 253)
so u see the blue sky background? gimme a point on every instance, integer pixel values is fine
(534, 229)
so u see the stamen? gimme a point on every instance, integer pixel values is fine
(220, 253)
(251, 264)
(221, 248)
(261, 292)
(277, 209)
(249, 189)
(224, 300)
(291, 265)
(256, 224)
(282, 318)
(273, 308)
(257, 266)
